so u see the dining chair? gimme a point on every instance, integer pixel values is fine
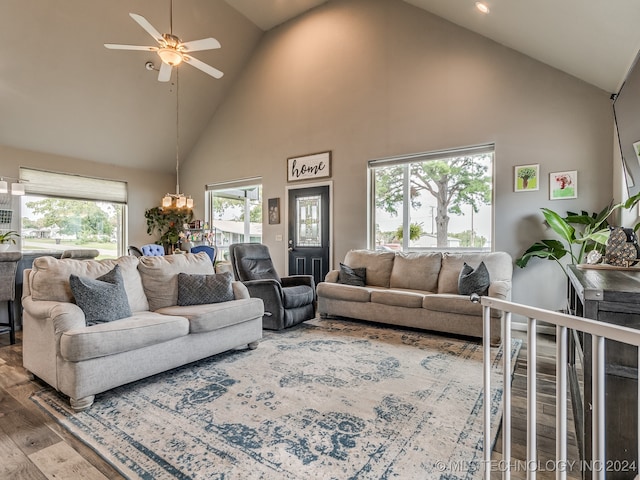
(152, 250)
(209, 250)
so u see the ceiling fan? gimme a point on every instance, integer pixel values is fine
(171, 49)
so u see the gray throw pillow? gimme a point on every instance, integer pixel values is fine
(352, 276)
(196, 289)
(102, 299)
(474, 281)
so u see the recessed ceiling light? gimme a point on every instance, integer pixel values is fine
(482, 7)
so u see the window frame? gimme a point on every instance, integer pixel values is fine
(407, 160)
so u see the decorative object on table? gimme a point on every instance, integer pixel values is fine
(274, 210)
(328, 399)
(7, 239)
(309, 167)
(622, 249)
(526, 178)
(594, 257)
(563, 185)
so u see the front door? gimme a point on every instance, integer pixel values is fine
(309, 232)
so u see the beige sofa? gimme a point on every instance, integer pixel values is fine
(417, 290)
(82, 361)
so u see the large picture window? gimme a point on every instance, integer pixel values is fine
(235, 213)
(62, 211)
(433, 201)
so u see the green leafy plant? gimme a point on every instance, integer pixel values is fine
(415, 231)
(579, 234)
(9, 237)
(168, 223)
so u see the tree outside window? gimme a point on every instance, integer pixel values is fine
(441, 202)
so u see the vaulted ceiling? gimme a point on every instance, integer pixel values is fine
(63, 93)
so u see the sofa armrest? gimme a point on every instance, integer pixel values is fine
(500, 289)
(295, 280)
(65, 316)
(240, 291)
(332, 276)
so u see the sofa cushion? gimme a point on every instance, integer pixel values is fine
(102, 299)
(416, 271)
(473, 280)
(498, 264)
(213, 316)
(338, 291)
(196, 289)
(160, 275)
(131, 333)
(352, 276)
(298, 296)
(397, 298)
(49, 279)
(454, 304)
(378, 265)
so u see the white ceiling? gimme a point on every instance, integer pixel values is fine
(63, 93)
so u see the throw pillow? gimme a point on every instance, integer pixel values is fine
(352, 276)
(474, 281)
(102, 299)
(194, 289)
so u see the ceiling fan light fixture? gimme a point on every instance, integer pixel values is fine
(170, 56)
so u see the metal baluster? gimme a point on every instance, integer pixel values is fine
(532, 455)
(561, 402)
(506, 385)
(597, 427)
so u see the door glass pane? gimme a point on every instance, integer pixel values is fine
(309, 218)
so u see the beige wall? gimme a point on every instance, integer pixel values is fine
(144, 188)
(375, 78)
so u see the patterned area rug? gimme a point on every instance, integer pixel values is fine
(327, 399)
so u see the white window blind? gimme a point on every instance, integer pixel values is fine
(64, 185)
(437, 155)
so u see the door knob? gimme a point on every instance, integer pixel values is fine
(290, 249)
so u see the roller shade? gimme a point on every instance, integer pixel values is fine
(64, 185)
(437, 155)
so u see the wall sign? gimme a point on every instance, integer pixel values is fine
(307, 167)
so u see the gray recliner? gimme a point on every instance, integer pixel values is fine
(287, 301)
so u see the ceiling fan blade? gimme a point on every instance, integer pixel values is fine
(214, 72)
(203, 44)
(147, 26)
(115, 46)
(165, 72)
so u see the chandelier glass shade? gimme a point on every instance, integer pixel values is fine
(17, 188)
(170, 56)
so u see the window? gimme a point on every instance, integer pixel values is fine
(62, 211)
(433, 201)
(234, 210)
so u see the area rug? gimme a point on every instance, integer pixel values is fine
(327, 399)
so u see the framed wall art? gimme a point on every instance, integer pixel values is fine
(526, 178)
(273, 205)
(309, 167)
(563, 185)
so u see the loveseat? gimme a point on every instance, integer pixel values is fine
(82, 360)
(417, 290)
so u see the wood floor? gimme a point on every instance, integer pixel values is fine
(32, 446)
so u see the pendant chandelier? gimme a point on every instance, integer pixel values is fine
(177, 200)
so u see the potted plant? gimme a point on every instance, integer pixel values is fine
(579, 234)
(168, 222)
(7, 239)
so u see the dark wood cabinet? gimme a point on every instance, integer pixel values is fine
(610, 296)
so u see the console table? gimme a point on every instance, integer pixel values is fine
(610, 296)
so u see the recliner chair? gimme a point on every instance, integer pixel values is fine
(288, 301)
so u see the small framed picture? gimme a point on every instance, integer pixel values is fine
(563, 185)
(526, 178)
(274, 210)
